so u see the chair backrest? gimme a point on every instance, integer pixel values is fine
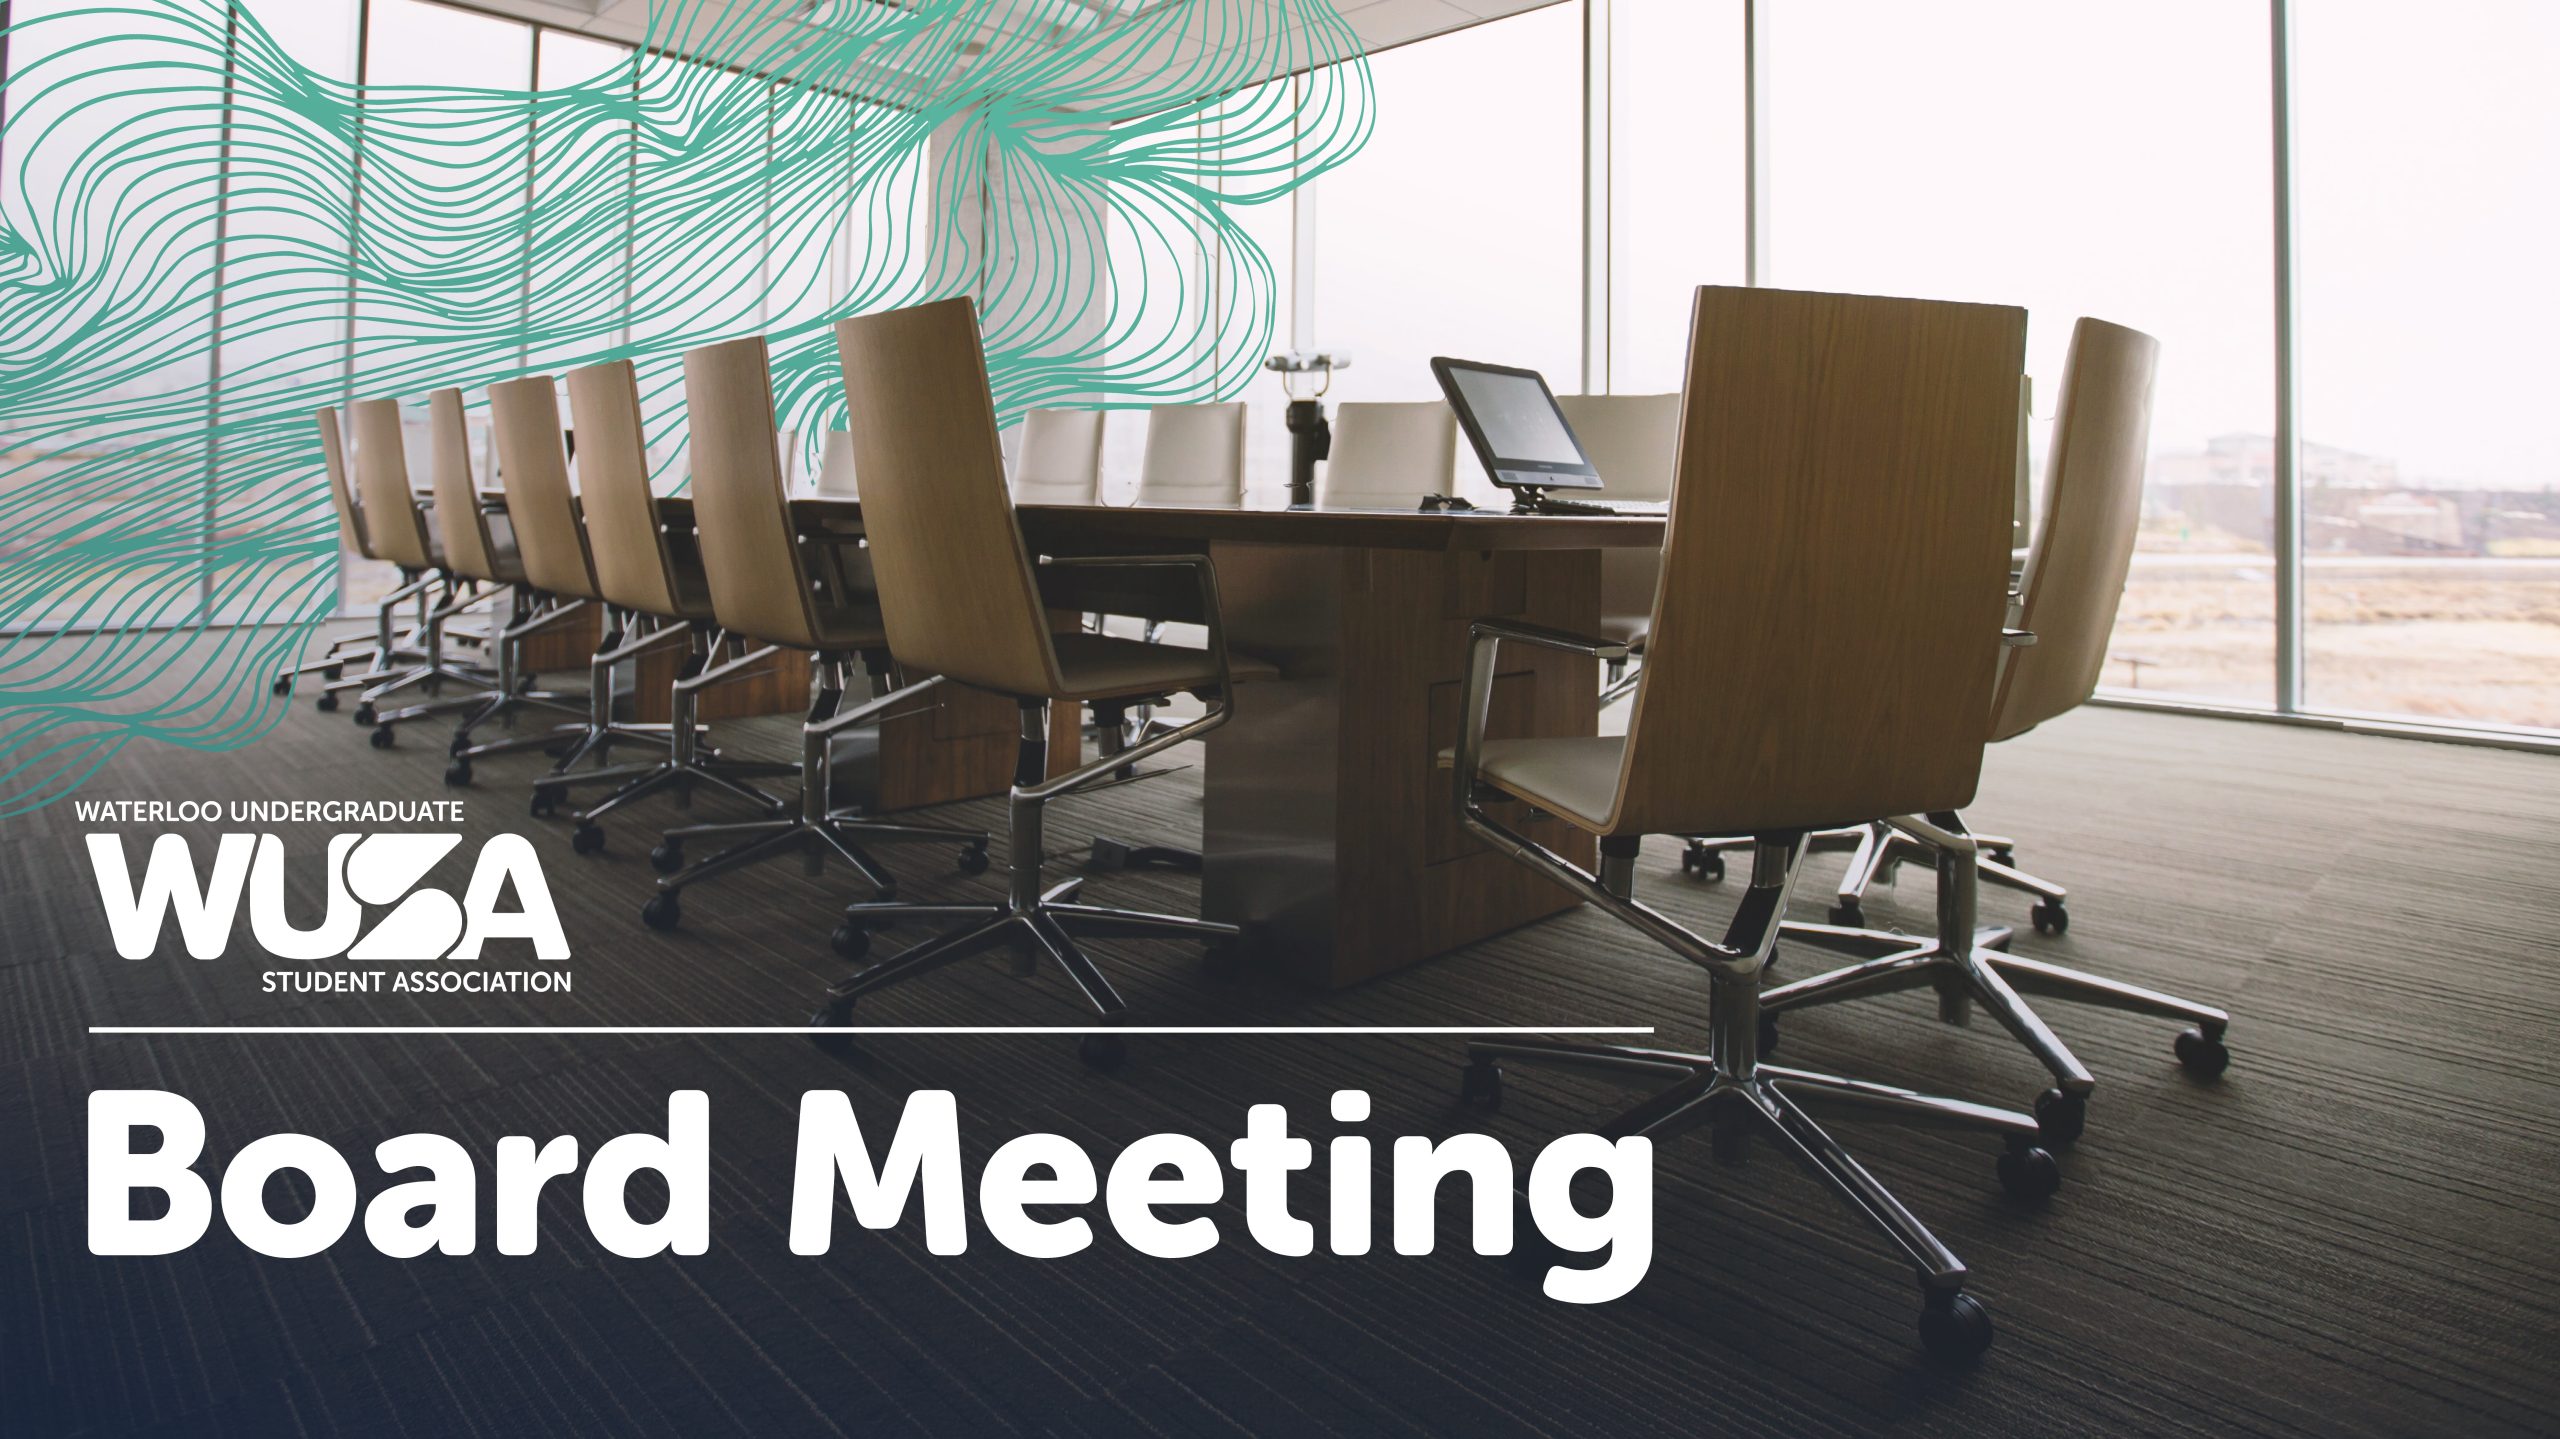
(391, 518)
(954, 579)
(613, 488)
(342, 499)
(460, 523)
(835, 466)
(1835, 568)
(1061, 458)
(750, 557)
(1389, 455)
(2092, 507)
(1195, 456)
(1633, 441)
(533, 468)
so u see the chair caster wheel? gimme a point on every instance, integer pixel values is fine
(2063, 1116)
(587, 838)
(850, 941)
(1768, 1035)
(836, 1015)
(280, 685)
(1104, 1053)
(380, 738)
(1704, 865)
(666, 858)
(364, 714)
(1481, 1086)
(326, 704)
(663, 911)
(334, 672)
(1956, 1329)
(973, 860)
(2203, 1054)
(2050, 917)
(457, 774)
(2029, 1172)
(1850, 915)
(546, 800)
(461, 741)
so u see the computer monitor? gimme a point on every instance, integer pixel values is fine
(1517, 429)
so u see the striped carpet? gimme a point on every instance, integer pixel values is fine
(2353, 1233)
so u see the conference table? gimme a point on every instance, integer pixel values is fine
(1328, 831)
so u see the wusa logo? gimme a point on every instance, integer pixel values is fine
(381, 869)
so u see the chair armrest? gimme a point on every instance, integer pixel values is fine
(1203, 570)
(1549, 638)
(1476, 695)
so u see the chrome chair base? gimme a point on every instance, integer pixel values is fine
(1035, 923)
(689, 763)
(1877, 849)
(816, 832)
(1729, 1090)
(1967, 965)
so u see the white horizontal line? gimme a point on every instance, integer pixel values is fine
(729, 1029)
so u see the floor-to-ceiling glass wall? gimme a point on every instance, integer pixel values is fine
(2426, 144)
(2076, 157)
(1676, 178)
(1458, 230)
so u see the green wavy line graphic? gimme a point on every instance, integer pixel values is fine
(202, 240)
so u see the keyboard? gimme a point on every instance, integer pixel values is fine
(1550, 505)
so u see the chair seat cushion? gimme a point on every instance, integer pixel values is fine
(1575, 779)
(1103, 667)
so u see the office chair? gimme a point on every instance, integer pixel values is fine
(771, 586)
(398, 530)
(2074, 578)
(1060, 462)
(1194, 456)
(479, 552)
(383, 654)
(1387, 456)
(533, 467)
(958, 596)
(656, 582)
(1836, 552)
(1633, 441)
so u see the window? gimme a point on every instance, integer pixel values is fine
(1475, 170)
(2076, 159)
(2430, 478)
(1676, 178)
(112, 198)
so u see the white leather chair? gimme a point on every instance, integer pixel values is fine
(1632, 441)
(1195, 456)
(1387, 456)
(1060, 460)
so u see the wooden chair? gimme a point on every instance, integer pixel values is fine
(1632, 440)
(958, 597)
(399, 532)
(533, 468)
(771, 587)
(2074, 577)
(381, 654)
(1387, 456)
(480, 553)
(658, 588)
(1830, 610)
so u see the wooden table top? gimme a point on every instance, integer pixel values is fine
(1084, 527)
